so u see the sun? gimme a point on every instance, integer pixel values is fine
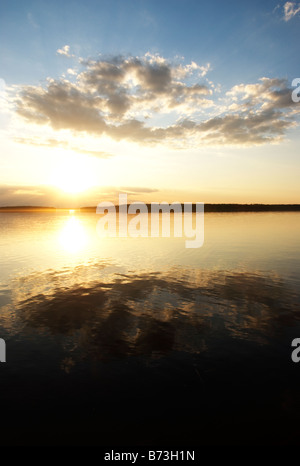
(74, 174)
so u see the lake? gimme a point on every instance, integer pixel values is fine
(140, 341)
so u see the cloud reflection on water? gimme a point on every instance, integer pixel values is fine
(153, 314)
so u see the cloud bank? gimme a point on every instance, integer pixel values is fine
(150, 100)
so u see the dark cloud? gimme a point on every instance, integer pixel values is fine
(63, 106)
(155, 77)
(252, 128)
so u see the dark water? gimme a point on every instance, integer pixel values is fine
(140, 341)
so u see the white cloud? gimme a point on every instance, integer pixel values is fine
(2, 87)
(65, 51)
(71, 72)
(291, 9)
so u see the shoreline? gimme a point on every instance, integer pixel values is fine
(207, 208)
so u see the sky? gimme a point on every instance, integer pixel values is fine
(173, 100)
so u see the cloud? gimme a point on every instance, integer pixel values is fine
(50, 143)
(290, 9)
(125, 97)
(124, 86)
(137, 190)
(5, 113)
(71, 72)
(46, 195)
(123, 320)
(27, 195)
(65, 51)
(32, 21)
(63, 105)
(2, 87)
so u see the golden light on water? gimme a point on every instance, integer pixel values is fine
(73, 238)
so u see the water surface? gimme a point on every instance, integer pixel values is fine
(142, 341)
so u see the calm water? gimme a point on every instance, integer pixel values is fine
(141, 341)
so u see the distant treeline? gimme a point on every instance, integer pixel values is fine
(251, 207)
(207, 208)
(229, 208)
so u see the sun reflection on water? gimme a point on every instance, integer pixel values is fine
(73, 237)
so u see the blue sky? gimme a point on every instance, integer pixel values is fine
(242, 41)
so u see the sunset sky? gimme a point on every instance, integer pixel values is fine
(166, 100)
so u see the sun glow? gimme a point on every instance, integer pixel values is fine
(73, 237)
(74, 174)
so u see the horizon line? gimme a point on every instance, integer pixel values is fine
(209, 207)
